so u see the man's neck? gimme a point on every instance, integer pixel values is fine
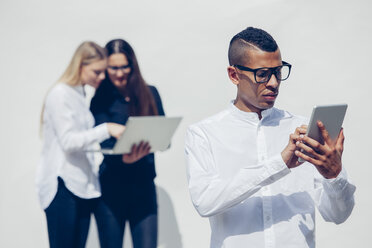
(247, 108)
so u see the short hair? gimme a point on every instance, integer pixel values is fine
(249, 38)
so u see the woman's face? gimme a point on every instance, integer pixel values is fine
(94, 73)
(118, 69)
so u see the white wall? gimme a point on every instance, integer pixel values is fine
(182, 49)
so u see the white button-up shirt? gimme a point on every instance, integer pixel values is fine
(238, 179)
(67, 132)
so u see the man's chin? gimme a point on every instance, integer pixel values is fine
(267, 105)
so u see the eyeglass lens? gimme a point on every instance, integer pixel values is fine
(264, 75)
(116, 68)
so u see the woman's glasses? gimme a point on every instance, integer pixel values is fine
(117, 68)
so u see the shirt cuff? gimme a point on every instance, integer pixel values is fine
(102, 132)
(335, 186)
(275, 169)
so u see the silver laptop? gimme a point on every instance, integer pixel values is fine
(156, 130)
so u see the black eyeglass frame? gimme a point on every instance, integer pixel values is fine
(116, 68)
(272, 70)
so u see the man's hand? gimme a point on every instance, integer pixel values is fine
(137, 152)
(288, 154)
(326, 158)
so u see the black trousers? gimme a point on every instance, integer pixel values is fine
(135, 203)
(68, 219)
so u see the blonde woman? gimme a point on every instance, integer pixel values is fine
(66, 182)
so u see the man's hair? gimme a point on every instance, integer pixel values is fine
(249, 38)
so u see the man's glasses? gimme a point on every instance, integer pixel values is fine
(263, 75)
(117, 68)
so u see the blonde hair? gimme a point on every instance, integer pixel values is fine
(87, 53)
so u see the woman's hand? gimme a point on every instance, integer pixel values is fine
(137, 152)
(115, 130)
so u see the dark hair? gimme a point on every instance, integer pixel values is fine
(141, 99)
(250, 38)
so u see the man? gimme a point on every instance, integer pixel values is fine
(243, 172)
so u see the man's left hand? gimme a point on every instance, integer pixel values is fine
(326, 158)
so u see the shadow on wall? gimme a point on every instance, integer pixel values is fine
(168, 234)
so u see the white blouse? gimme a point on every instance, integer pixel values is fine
(239, 180)
(68, 131)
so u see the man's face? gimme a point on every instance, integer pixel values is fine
(251, 96)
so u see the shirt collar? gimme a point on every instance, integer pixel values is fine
(79, 89)
(250, 116)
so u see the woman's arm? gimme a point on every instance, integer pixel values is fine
(60, 110)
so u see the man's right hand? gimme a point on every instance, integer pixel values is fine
(288, 154)
(115, 130)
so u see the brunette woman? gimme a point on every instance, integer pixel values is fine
(127, 181)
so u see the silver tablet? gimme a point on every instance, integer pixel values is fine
(157, 130)
(332, 117)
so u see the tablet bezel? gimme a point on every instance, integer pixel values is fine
(332, 116)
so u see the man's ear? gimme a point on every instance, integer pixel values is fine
(233, 75)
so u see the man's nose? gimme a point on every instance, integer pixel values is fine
(273, 82)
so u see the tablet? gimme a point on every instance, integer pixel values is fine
(156, 130)
(332, 117)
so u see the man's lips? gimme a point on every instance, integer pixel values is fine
(270, 96)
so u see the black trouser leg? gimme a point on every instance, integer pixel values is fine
(68, 219)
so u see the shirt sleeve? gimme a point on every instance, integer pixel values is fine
(210, 193)
(99, 109)
(71, 135)
(157, 99)
(334, 197)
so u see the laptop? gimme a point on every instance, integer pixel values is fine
(156, 130)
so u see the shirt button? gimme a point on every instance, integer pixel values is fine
(268, 218)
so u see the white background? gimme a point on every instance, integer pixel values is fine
(182, 50)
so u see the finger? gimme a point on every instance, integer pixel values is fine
(148, 149)
(324, 132)
(307, 158)
(294, 137)
(133, 149)
(308, 149)
(125, 157)
(300, 130)
(146, 146)
(142, 149)
(139, 147)
(314, 144)
(122, 129)
(340, 140)
(144, 152)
